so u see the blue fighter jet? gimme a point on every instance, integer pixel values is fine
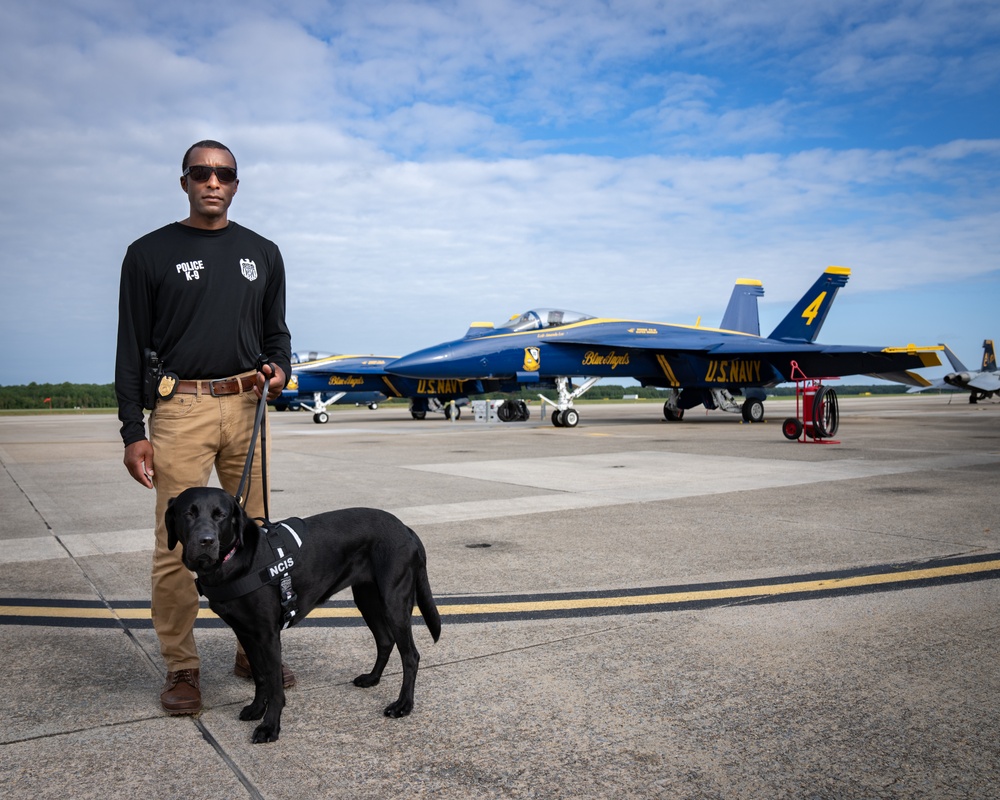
(319, 381)
(698, 365)
(291, 399)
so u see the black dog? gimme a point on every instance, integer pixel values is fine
(369, 550)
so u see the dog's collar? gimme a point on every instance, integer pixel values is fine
(231, 553)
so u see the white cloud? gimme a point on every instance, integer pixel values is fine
(426, 164)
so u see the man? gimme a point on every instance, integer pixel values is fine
(207, 296)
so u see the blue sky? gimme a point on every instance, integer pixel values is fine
(423, 165)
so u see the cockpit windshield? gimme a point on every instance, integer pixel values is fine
(539, 318)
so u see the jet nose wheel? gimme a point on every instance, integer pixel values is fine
(321, 417)
(569, 418)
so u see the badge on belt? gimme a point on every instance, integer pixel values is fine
(167, 386)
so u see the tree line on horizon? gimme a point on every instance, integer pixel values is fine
(58, 395)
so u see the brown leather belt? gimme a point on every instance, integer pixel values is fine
(237, 385)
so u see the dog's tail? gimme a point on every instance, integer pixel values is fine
(426, 604)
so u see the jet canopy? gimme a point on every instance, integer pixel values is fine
(539, 318)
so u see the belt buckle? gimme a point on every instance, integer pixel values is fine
(211, 386)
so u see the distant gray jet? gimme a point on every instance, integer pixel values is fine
(980, 384)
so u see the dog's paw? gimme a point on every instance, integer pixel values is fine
(252, 711)
(366, 681)
(265, 733)
(400, 708)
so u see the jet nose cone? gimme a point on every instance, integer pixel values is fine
(422, 364)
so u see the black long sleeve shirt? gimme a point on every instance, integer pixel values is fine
(207, 302)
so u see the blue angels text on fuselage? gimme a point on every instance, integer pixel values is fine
(699, 365)
(319, 381)
(981, 384)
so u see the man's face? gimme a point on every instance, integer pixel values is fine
(210, 199)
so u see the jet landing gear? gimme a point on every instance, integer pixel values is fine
(320, 417)
(672, 412)
(420, 406)
(563, 414)
(751, 409)
(569, 418)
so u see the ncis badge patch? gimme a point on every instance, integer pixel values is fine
(249, 269)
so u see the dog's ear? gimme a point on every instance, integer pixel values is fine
(169, 517)
(237, 519)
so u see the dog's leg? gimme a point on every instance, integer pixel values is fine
(402, 630)
(369, 603)
(264, 655)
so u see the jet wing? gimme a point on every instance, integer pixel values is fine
(939, 385)
(729, 344)
(919, 382)
(814, 360)
(659, 338)
(986, 382)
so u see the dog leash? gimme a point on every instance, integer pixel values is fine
(280, 537)
(259, 429)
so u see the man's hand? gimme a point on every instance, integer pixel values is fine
(274, 377)
(139, 462)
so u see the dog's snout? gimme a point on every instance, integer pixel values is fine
(203, 537)
(202, 547)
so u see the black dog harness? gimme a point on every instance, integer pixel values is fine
(285, 539)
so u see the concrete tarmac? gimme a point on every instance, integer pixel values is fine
(631, 608)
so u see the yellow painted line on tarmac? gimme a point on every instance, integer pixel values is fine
(564, 604)
(50, 611)
(735, 593)
(324, 612)
(136, 613)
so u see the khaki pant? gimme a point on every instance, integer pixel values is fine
(190, 434)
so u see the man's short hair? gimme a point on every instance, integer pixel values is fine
(210, 144)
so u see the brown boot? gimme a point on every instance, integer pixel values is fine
(181, 694)
(242, 670)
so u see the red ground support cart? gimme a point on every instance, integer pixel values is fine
(817, 412)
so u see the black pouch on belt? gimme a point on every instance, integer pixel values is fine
(156, 383)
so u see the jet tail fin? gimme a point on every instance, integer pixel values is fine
(741, 313)
(989, 357)
(956, 362)
(803, 322)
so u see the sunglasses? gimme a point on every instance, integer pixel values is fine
(201, 173)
